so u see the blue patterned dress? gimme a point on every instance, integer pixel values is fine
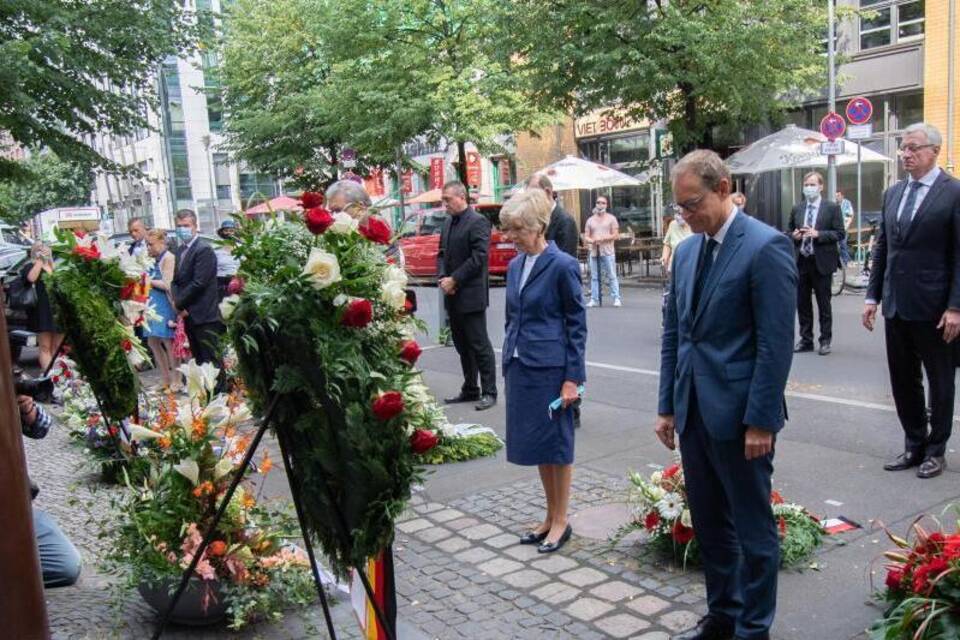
(160, 301)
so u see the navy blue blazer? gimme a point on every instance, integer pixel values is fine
(547, 322)
(738, 346)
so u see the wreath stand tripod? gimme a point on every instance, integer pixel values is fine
(385, 619)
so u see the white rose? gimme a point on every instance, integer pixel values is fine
(343, 223)
(394, 295)
(322, 268)
(228, 305)
(656, 477)
(395, 274)
(341, 300)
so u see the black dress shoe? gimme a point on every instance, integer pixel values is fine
(802, 347)
(903, 461)
(532, 537)
(461, 397)
(824, 349)
(931, 467)
(710, 627)
(550, 547)
(486, 402)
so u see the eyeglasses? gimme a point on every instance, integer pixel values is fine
(912, 148)
(689, 205)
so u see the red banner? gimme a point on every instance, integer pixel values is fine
(406, 181)
(436, 173)
(474, 169)
(374, 183)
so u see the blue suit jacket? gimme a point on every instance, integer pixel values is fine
(738, 346)
(547, 321)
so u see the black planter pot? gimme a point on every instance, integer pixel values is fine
(189, 610)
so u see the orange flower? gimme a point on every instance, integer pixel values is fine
(240, 446)
(229, 431)
(218, 548)
(164, 442)
(775, 497)
(248, 501)
(199, 428)
(203, 489)
(266, 463)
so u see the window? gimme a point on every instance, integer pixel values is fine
(891, 22)
(221, 175)
(257, 184)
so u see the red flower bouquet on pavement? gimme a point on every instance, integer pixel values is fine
(922, 586)
(660, 511)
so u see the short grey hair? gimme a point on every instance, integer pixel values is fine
(704, 164)
(352, 192)
(529, 209)
(458, 188)
(540, 181)
(133, 221)
(186, 214)
(930, 131)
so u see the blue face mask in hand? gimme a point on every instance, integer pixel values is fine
(184, 234)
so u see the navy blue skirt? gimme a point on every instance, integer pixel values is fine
(533, 436)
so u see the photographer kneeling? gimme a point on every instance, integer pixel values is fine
(59, 559)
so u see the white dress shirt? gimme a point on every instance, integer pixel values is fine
(722, 233)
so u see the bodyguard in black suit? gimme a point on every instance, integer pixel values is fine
(195, 290)
(562, 228)
(916, 276)
(816, 226)
(463, 269)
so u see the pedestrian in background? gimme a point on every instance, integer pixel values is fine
(724, 362)
(816, 227)
(350, 197)
(677, 231)
(195, 290)
(227, 265)
(138, 233)
(464, 279)
(543, 359)
(916, 276)
(846, 210)
(600, 236)
(739, 200)
(562, 228)
(40, 318)
(160, 332)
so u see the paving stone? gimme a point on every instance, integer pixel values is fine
(454, 544)
(524, 552)
(648, 605)
(556, 593)
(462, 523)
(481, 532)
(653, 635)
(428, 507)
(526, 579)
(501, 541)
(584, 576)
(554, 564)
(588, 608)
(616, 591)
(475, 555)
(412, 526)
(446, 515)
(499, 566)
(622, 625)
(434, 534)
(679, 620)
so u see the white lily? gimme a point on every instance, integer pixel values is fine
(201, 378)
(217, 410)
(189, 469)
(138, 433)
(228, 305)
(222, 468)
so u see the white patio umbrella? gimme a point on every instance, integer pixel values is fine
(794, 148)
(575, 173)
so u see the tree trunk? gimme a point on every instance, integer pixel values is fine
(462, 161)
(692, 138)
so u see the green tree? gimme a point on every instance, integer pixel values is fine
(701, 65)
(44, 182)
(73, 69)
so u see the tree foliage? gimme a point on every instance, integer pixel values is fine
(45, 182)
(698, 64)
(74, 69)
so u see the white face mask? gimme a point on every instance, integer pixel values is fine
(811, 192)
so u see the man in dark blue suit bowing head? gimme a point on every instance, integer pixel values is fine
(726, 353)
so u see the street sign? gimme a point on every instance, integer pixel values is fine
(348, 158)
(832, 148)
(833, 125)
(859, 110)
(859, 131)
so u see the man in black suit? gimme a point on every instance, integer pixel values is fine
(916, 275)
(562, 228)
(463, 269)
(816, 227)
(195, 290)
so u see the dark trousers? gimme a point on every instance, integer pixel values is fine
(469, 332)
(729, 499)
(910, 345)
(813, 283)
(204, 340)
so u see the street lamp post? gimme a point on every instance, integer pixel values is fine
(832, 79)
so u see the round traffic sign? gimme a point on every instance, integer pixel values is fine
(833, 125)
(859, 110)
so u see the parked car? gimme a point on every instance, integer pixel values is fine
(12, 259)
(420, 241)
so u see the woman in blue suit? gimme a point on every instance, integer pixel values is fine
(543, 358)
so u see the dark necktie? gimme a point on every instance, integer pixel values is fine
(906, 215)
(806, 248)
(706, 263)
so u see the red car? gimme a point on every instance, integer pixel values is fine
(421, 242)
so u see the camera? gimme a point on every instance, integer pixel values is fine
(40, 389)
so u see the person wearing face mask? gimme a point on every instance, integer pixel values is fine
(195, 290)
(816, 227)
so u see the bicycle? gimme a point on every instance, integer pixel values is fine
(842, 280)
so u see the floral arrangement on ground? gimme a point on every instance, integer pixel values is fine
(659, 505)
(922, 586)
(194, 449)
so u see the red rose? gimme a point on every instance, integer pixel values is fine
(410, 351)
(126, 345)
(68, 374)
(671, 471)
(375, 230)
(775, 497)
(923, 574)
(89, 254)
(358, 314)
(311, 199)
(782, 527)
(681, 533)
(126, 291)
(423, 440)
(236, 286)
(218, 548)
(318, 220)
(56, 379)
(651, 521)
(387, 405)
(894, 578)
